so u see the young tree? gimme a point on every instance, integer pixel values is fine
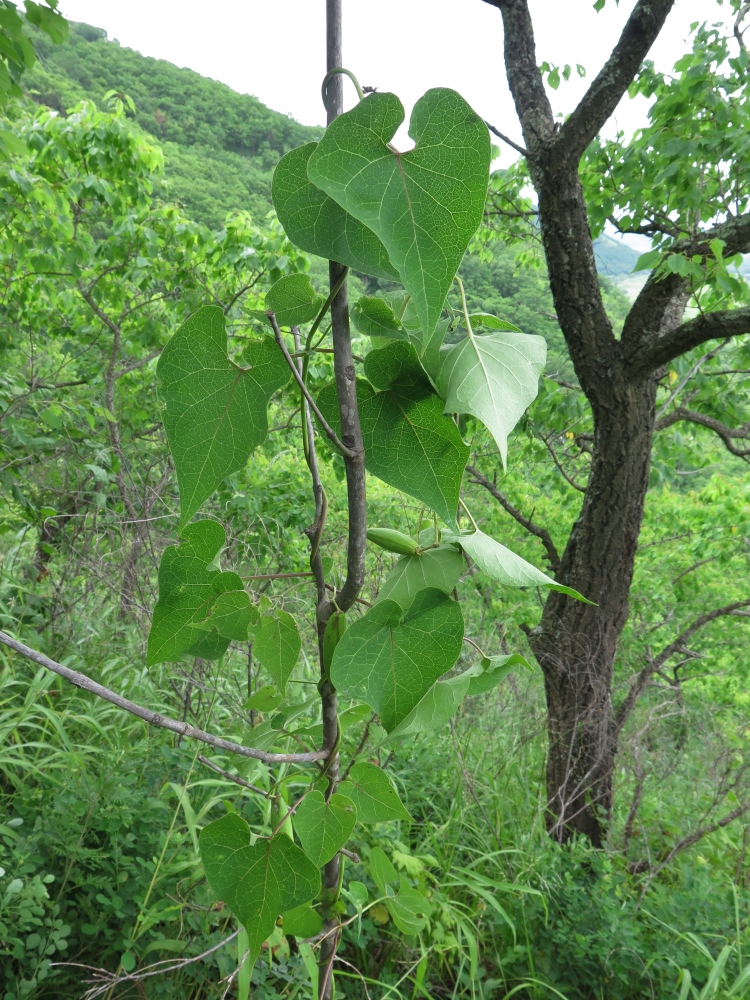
(683, 181)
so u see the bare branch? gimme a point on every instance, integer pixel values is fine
(604, 94)
(641, 681)
(719, 325)
(727, 434)
(541, 533)
(686, 378)
(513, 145)
(556, 460)
(153, 718)
(232, 777)
(329, 431)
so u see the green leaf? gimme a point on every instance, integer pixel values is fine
(324, 827)
(439, 568)
(294, 300)
(375, 318)
(384, 875)
(408, 908)
(409, 443)
(425, 205)
(315, 223)
(258, 882)
(491, 322)
(493, 377)
(648, 260)
(231, 615)
(390, 658)
(441, 702)
(276, 645)
(187, 592)
(265, 699)
(302, 922)
(492, 670)
(215, 411)
(505, 566)
(373, 794)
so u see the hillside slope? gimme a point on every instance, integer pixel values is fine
(220, 146)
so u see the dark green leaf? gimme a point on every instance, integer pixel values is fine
(315, 223)
(231, 615)
(187, 592)
(257, 882)
(324, 827)
(373, 794)
(277, 644)
(425, 205)
(294, 300)
(215, 411)
(302, 922)
(390, 658)
(409, 443)
(375, 318)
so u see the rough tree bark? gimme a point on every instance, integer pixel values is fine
(576, 643)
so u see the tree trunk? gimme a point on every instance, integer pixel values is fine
(576, 643)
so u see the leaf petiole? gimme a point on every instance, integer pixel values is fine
(465, 308)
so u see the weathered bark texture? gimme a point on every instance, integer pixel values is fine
(576, 643)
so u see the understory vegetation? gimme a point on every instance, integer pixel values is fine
(127, 202)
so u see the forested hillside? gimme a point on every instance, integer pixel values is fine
(220, 146)
(338, 653)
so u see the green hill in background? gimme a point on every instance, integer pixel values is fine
(220, 146)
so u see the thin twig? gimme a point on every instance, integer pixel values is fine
(233, 777)
(556, 460)
(153, 718)
(513, 145)
(329, 431)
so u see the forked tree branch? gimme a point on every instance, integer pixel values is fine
(727, 434)
(154, 718)
(541, 533)
(513, 145)
(600, 100)
(641, 681)
(718, 325)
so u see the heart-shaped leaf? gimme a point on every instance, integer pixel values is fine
(425, 205)
(294, 300)
(187, 592)
(277, 644)
(409, 443)
(215, 412)
(259, 882)
(324, 827)
(315, 223)
(375, 318)
(439, 568)
(373, 794)
(232, 615)
(303, 922)
(390, 658)
(505, 566)
(493, 377)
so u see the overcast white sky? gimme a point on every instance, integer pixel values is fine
(275, 49)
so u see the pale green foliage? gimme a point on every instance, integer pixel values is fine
(439, 568)
(505, 566)
(425, 205)
(294, 300)
(493, 377)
